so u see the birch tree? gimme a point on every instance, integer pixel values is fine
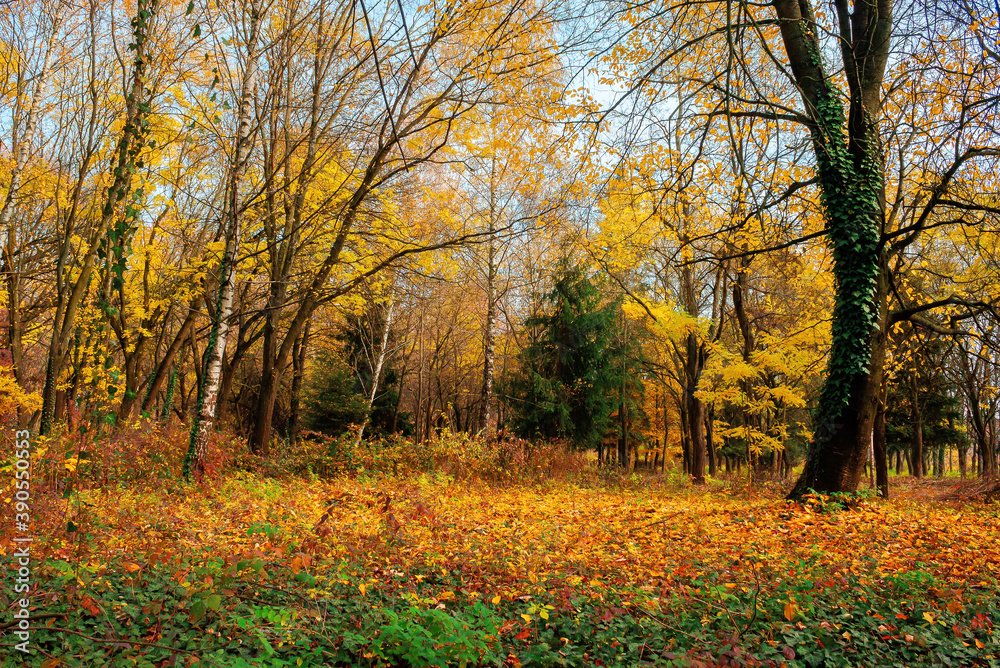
(208, 387)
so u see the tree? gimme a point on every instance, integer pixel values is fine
(119, 193)
(568, 383)
(208, 388)
(836, 66)
(430, 76)
(331, 402)
(370, 345)
(24, 126)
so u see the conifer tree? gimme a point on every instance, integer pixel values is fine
(568, 381)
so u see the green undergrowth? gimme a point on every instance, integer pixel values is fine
(249, 612)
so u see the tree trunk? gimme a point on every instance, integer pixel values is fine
(489, 337)
(666, 433)
(709, 442)
(161, 373)
(962, 464)
(917, 441)
(695, 410)
(878, 448)
(298, 373)
(383, 352)
(622, 437)
(850, 172)
(201, 425)
(685, 439)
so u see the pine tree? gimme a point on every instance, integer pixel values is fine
(568, 382)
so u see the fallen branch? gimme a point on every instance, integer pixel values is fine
(651, 524)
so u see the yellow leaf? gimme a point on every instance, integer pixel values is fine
(525, 617)
(543, 614)
(789, 611)
(929, 617)
(362, 588)
(496, 599)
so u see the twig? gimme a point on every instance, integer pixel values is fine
(756, 594)
(664, 624)
(47, 615)
(111, 641)
(664, 520)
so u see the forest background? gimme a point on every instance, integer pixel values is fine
(495, 240)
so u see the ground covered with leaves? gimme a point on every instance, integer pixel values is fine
(424, 570)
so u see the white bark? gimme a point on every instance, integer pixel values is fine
(227, 268)
(379, 364)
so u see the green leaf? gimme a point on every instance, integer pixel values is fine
(265, 643)
(214, 602)
(190, 8)
(197, 30)
(198, 611)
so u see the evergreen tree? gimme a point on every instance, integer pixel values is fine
(336, 395)
(330, 403)
(361, 337)
(567, 384)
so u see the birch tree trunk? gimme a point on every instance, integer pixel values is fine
(379, 364)
(208, 388)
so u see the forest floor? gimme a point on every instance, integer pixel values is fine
(425, 570)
